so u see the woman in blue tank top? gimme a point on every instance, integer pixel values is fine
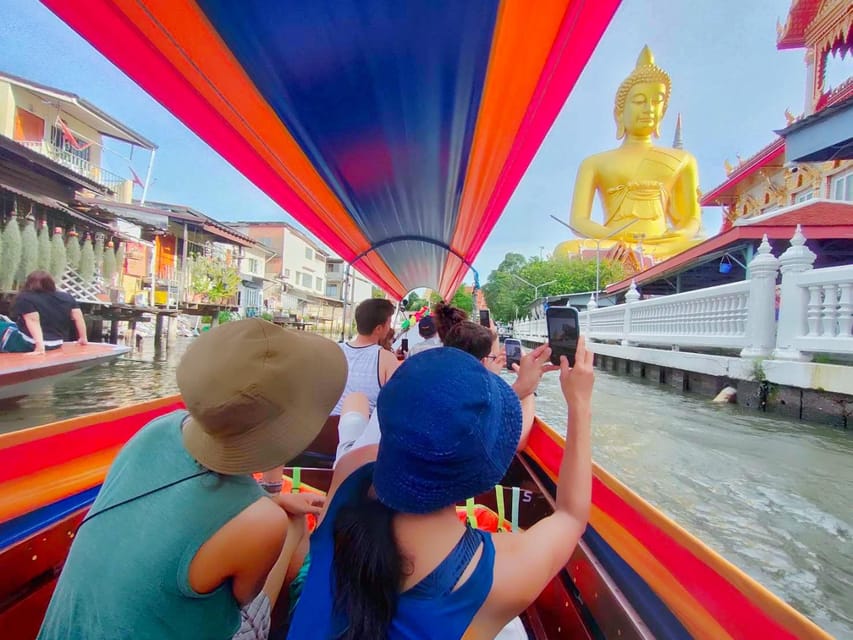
(390, 559)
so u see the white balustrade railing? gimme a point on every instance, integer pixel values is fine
(829, 311)
(815, 312)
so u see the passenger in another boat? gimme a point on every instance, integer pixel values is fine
(180, 535)
(402, 563)
(45, 316)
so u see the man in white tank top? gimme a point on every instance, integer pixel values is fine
(370, 366)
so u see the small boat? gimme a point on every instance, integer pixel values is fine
(635, 573)
(22, 374)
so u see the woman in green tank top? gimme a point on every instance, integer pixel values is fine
(180, 536)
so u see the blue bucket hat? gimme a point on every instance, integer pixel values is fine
(449, 428)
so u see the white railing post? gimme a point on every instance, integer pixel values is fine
(761, 304)
(630, 298)
(794, 299)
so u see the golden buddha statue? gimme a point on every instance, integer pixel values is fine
(649, 194)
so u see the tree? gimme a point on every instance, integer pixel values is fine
(507, 295)
(415, 302)
(376, 292)
(462, 299)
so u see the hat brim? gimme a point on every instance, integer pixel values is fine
(266, 446)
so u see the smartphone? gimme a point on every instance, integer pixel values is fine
(513, 352)
(404, 344)
(484, 318)
(563, 332)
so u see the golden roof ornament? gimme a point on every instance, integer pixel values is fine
(645, 71)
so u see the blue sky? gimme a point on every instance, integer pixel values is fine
(729, 82)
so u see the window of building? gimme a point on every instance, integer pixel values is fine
(319, 282)
(252, 265)
(58, 140)
(332, 290)
(287, 274)
(309, 253)
(841, 187)
(803, 196)
(307, 280)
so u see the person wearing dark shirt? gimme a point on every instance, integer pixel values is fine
(45, 315)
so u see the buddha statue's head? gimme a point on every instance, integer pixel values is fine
(642, 98)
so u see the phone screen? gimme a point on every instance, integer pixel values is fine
(404, 344)
(513, 353)
(562, 333)
(484, 318)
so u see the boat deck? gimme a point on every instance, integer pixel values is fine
(23, 373)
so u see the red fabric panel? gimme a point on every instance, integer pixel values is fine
(31, 457)
(740, 617)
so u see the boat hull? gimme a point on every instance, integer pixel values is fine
(23, 374)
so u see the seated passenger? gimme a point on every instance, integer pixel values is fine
(180, 536)
(429, 333)
(44, 315)
(390, 559)
(370, 366)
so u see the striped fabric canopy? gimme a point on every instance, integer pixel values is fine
(394, 130)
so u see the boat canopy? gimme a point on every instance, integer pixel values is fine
(396, 132)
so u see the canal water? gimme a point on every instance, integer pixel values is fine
(773, 496)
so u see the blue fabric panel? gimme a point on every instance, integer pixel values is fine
(654, 613)
(383, 97)
(26, 525)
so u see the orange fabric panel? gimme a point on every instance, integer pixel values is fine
(524, 35)
(180, 32)
(27, 494)
(28, 126)
(22, 436)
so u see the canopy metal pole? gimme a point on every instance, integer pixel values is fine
(344, 313)
(148, 176)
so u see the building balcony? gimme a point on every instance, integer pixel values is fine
(66, 158)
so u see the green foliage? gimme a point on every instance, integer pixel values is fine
(43, 261)
(87, 261)
(99, 253)
(213, 279)
(11, 255)
(72, 250)
(415, 302)
(507, 295)
(29, 251)
(58, 257)
(226, 316)
(463, 300)
(109, 263)
(267, 315)
(377, 293)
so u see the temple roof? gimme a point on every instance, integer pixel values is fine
(820, 220)
(773, 155)
(792, 35)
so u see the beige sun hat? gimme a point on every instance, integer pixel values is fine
(257, 394)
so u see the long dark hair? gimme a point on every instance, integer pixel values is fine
(369, 567)
(446, 317)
